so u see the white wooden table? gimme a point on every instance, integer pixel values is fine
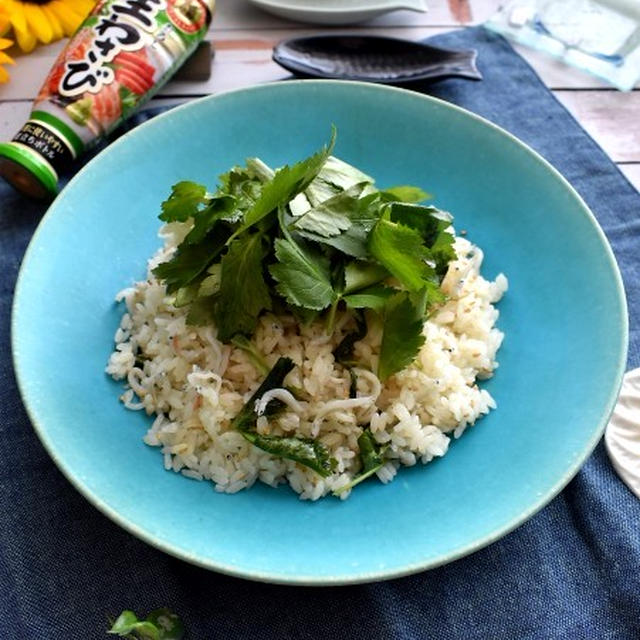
(243, 38)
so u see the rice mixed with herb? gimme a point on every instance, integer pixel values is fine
(380, 374)
(196, 385)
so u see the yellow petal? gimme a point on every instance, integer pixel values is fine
(18, 20)
(4, 75)
(26, 40)
(5, 43)
(83, 7)
(56, 27)
(69, 19)
(5, 59)
(38, 22)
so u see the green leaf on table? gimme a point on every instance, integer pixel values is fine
(309, 453)
(243, 291)
(169, 625)
(160, 624)
(186, 199)
(303, 275)
(402, 335)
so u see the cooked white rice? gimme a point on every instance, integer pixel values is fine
(195, 384)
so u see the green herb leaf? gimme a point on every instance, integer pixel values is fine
(307, 452)
(331, 217)
(286, 183)
(160, 624)
(243, 291)
(406, 193)
(218, 208)
(340, 175)
(371, 458)
(401, 250)
(402, 335)
(246, 418)
(360, 275)
(169, 625)
(427, 221)
(374, 297)
(185, 201)
(302, 275)
(353, 242)
(191, 260)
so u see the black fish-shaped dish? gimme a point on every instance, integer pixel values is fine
(373, 59)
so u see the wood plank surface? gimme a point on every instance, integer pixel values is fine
(612, 118)
(243, 38)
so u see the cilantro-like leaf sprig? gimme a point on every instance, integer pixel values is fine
(312, 237)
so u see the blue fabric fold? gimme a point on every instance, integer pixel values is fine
(571, 571)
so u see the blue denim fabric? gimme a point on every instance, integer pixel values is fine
(572, 571)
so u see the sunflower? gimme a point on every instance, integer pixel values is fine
(43, 21)
(4, 59)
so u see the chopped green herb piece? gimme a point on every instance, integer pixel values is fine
(246, 418)
(371, 458)
(305, 451)
(343, 353)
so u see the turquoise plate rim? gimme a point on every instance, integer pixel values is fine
(363, 577)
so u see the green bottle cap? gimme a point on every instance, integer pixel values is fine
(27, 171)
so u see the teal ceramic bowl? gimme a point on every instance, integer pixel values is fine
(560, 366)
